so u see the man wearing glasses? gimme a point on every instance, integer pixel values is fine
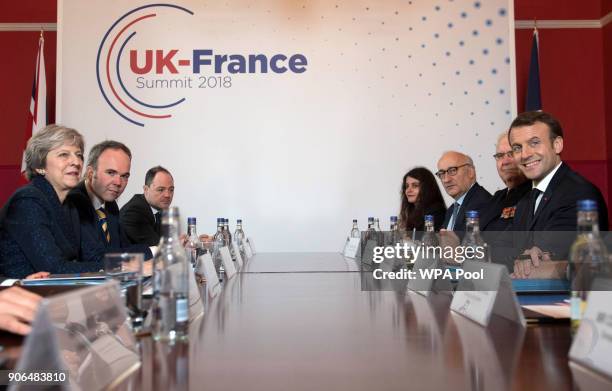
(536, 139)
(106, 177)
(458, 176)
(499, 214)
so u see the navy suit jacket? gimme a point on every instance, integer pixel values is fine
(138, 221)
(477, 198)
(93, 243)
(36, 234)
(553, 226)
(501, 209)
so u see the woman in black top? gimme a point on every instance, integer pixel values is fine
(420, 196)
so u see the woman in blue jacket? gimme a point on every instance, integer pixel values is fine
(36, 228)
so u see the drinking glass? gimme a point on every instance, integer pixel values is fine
(126, 268)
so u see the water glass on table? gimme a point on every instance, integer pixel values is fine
(127, 270)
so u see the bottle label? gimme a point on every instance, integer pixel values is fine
(182, 310)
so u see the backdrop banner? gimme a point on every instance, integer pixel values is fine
(295, 116)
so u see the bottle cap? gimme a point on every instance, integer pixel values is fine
(239, 221)
(394, 219)
(354, 220)
(219, 220)
(429, 218)
(471, 214)
(587, 205)
(370, 218)
(191, 220)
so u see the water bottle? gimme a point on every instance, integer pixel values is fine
(371, 231)
(226, 232)
(394, 233)
(193, 242)
(473, 239)
(429, 236)
(170, 282)
(379, 234)
(353, 234)
(239, 233)
(355, 230)
(218, 242)
(227, 235)
(588, 259)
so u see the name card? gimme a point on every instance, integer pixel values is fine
(426, 279)
(247, 249)
(367, 256)
(196, 307)
(213, 286)
(352, 247)
(492, 352)
(228, 264)
(478, 298)
(251, 245)
(239, 262)
(593, 341)
(85, 332)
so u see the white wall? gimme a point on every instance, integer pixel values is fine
(297, 156)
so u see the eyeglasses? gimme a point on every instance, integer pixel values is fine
(501, 155)
(452, 171)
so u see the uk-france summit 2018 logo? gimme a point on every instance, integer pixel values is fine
(160, 69)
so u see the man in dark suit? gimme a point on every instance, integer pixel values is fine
(141, 216)
(499, 214)
(106, 176)
(536, 139)
(458, 176)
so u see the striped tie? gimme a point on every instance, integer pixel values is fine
(102, 219)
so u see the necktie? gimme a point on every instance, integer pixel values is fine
(533, 196)
(103, 223)
(158, 222)
(456, 207)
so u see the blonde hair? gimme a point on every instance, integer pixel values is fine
(50, 137)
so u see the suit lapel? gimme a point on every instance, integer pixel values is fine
(544, 201)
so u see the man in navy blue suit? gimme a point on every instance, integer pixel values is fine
(536, 139)
(106, 176)
(457, 173)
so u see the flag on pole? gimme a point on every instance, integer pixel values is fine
(37, 118)
(534, 98)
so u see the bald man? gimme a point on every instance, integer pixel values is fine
(499, 214)
(457, 173)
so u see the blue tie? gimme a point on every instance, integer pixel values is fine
(456, 207)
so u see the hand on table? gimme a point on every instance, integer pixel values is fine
(539, 265)
(17, 309)
(38, 275)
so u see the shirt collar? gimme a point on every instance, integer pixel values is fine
(460, 199)
(543, 185)
(96, 202)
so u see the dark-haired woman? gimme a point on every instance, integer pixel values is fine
(420, 196)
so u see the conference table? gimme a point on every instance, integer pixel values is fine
(301, 321)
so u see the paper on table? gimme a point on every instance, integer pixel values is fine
(556, 311)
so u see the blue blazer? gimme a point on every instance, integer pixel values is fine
(93, 243)
(36, 234)
(477, 198)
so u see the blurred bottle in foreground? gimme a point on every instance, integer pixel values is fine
(473, 239)
(429, 236)
(170, 282)
(588, 260)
